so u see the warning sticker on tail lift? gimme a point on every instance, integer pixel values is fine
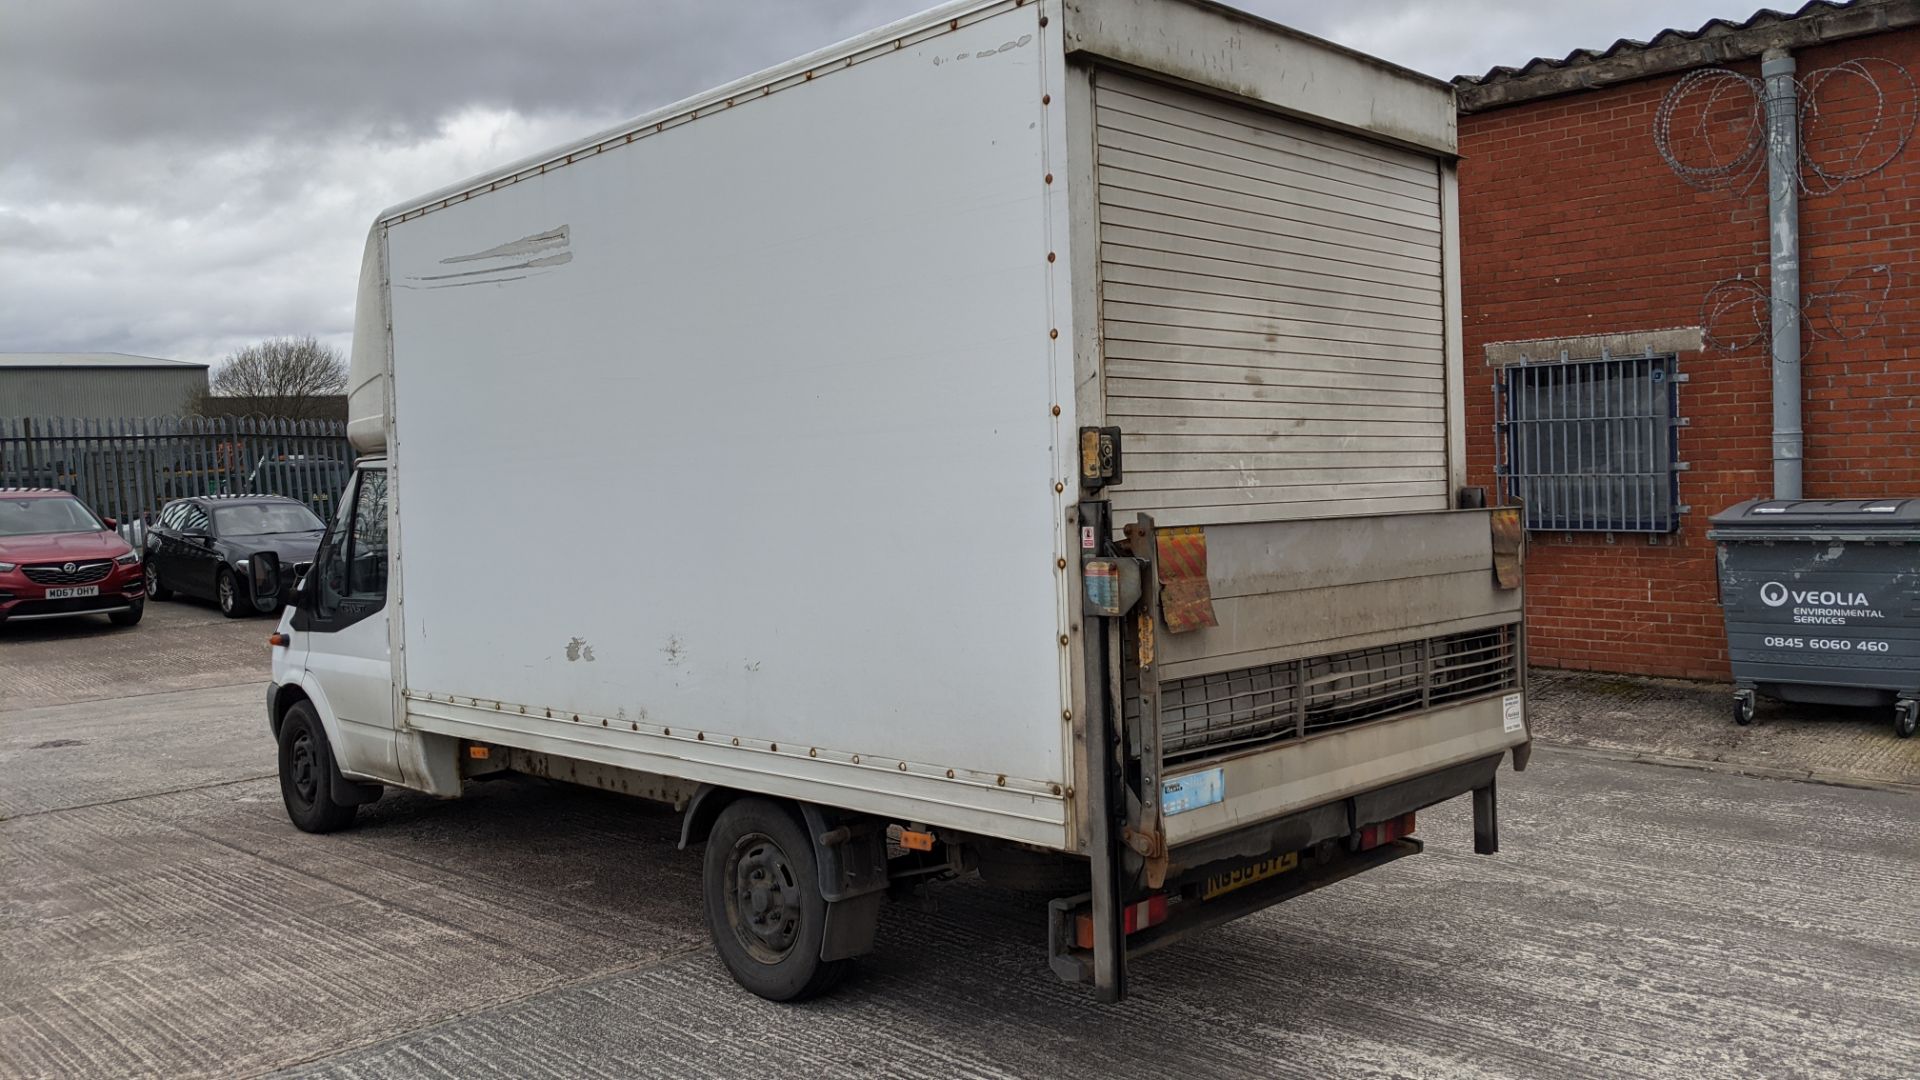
(1192, 791)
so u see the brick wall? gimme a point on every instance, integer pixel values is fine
(1572, 224)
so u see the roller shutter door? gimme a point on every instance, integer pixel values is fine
(1272, 313)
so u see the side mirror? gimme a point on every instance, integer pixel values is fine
(264, 568)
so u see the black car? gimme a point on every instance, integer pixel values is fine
(202, 546)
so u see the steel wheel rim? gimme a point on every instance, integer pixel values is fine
(763, 898)
(303, 767)
(226, 592)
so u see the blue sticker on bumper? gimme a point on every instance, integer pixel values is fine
(1192, 791)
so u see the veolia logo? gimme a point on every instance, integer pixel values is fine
(1775, 594)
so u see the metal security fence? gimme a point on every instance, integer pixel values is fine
(128, 468)
(1591, 445)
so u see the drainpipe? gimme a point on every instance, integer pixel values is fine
(1783, 243)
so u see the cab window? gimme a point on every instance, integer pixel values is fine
(351, 572)
(367, 544)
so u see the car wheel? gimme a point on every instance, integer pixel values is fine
(764, 907)
(154, 588)
(130, 616)
(306, 774)
(227, 591)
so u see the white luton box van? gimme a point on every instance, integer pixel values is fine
(1025, 439)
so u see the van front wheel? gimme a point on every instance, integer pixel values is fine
(764, 907)
(306, 774)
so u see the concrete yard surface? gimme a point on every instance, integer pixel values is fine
(1600, 944)
(159, 917)
(179, 644)
(1679, 721)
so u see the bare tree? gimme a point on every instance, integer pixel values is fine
(284, 376)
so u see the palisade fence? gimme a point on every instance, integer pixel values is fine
(128, 468)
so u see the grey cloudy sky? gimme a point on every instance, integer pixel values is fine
(178, 179)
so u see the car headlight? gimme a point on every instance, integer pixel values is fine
(131, 558)
(8, 568)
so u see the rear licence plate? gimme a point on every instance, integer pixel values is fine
(73, 591)
(1246, 874)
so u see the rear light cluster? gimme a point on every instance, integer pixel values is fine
(1385, 832)
(1149, 912)
(1153, 910)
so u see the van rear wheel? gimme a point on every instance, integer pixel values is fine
(306, 774)
(764, 907)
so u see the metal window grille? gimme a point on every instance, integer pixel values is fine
(1591, 445)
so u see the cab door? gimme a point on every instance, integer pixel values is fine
(342, 624)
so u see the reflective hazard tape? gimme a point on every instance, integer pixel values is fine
(1186, 600)
(1149, 912)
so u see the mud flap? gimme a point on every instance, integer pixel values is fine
(352, 792)
(851, 926)
(852, 854)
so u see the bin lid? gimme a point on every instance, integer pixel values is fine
(1794, 516)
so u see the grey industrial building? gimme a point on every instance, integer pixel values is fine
(97, 385)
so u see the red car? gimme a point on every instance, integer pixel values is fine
(58, 558)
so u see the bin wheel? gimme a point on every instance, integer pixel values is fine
(1906, 718)
(1743, 708)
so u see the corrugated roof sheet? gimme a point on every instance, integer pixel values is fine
(90, 359)
(1712, 28)
(1719, 41)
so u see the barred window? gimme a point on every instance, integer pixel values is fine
(1590, 445)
